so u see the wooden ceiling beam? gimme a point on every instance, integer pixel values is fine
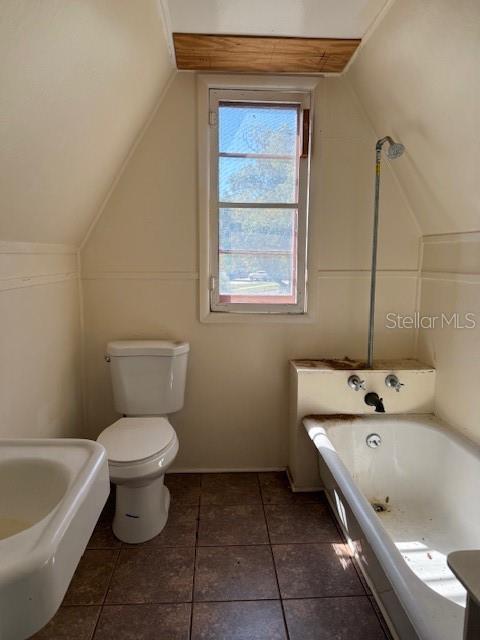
(264, 54)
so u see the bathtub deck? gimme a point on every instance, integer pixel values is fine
(241, 558)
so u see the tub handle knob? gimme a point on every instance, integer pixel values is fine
(355, 383)
(392, 382)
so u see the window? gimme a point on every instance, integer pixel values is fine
(259, 143)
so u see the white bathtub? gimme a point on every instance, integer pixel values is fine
(428, 479)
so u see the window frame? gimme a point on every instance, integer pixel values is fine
(289, 90)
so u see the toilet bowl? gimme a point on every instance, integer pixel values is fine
(148, 380)
(140, 450)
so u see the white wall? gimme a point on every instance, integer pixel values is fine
(77, 83)
(140, 279)
(451, 285)
(78, 80)
(418, 78)
(40, 372)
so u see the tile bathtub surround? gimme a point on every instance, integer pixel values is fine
(241, 558)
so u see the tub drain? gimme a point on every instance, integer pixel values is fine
(378, 507)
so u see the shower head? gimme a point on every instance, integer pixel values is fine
(395, 149)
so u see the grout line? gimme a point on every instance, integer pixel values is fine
(264, 544)
(273, 559)
(195, 553)
(115, 564)
(94, 630)
(179, 602)
(344, 540)
(195, 560)
(105, 595)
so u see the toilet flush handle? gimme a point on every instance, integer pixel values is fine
(106, 357)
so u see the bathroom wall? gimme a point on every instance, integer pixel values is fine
(451, 286)
(40, 372)
(417, 77)
(140, 279)
(78, 81)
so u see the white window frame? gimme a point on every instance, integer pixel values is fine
(282, 90)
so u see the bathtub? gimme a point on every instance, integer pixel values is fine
(425, 481)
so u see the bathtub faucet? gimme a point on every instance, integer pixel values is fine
(373, 400)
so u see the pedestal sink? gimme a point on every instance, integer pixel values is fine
(51, 494)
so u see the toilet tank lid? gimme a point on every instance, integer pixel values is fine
(147, 348)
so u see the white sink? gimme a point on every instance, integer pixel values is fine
(51, 494)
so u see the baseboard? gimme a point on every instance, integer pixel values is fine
(297, 489)
(226, 470)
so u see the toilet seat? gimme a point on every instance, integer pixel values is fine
(137, 440)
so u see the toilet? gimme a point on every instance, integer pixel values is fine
(148, 380)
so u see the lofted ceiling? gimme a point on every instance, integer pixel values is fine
(297, 18)
(418, 79)
(269, 36)
(78, 81)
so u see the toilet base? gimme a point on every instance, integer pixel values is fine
(141, 512)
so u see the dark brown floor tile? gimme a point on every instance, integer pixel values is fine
(230, 488)
(91, 579)
(238, 621)
(332, 619)
(70, 623)
(144, 622)
(184, 487)
(150, 574)
(275, 489)
(301, 523)
(233, 524)
(235, 573)
(103, 537)
(315, 571)
(180, 530)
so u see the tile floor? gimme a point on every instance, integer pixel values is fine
(241, 558)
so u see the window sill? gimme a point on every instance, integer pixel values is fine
(219, 317)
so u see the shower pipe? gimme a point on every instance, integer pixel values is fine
(395, 150)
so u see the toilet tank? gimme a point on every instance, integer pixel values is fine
(148, 376)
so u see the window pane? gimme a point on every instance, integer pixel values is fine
(256, 129)
(257, 255)
(246, 277)
(257, 229)
(257, 180)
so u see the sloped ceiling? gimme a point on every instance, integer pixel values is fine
(301, 18)
(418, 78)
(77, 82)
(79, 79)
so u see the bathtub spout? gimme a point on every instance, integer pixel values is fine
(373, 400)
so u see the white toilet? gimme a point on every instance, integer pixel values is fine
(148, 379)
